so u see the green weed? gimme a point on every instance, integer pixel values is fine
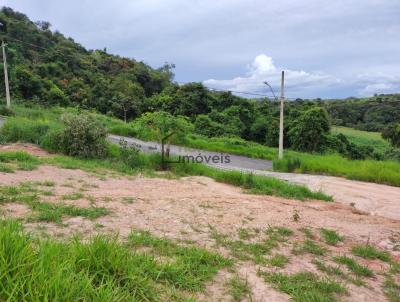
(305, 287)
(352, 265)
(331, 237)
(370, 252)
(238, 288)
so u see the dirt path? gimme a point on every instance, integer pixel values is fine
(192, 209)
(375, 199)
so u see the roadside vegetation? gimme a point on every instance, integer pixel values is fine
(83, 137)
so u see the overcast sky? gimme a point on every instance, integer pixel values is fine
(328, 48)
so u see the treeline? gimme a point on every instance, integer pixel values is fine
(369, 114)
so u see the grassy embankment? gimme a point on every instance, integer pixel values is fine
(34, 126)
(385, 172)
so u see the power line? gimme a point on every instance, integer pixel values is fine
(240, 92)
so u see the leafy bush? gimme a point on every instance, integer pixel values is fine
(392, 134)
(310, 131)
(83, 136)
(392, 154)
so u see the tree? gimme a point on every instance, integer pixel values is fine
(392, 134)
(127, 97)
(310, 131)
(165, 127)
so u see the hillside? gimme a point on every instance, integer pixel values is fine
(49, 68)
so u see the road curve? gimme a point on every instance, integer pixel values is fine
(210, 158)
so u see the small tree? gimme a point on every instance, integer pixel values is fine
(392, 134)
(310, 131)
(165, 127)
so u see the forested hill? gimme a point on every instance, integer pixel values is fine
(47, 68)
(370, 114)
(52, 69)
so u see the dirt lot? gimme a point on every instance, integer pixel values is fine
(194, 209)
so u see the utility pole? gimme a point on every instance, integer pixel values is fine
(3, 46)
(281, 116)
(280, 154)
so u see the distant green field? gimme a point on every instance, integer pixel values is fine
(373, 139)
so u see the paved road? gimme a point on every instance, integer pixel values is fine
(214, 159)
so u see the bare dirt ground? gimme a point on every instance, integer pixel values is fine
(192, 208)
(375, 199)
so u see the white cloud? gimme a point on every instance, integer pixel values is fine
(264, 69)
(380, 79)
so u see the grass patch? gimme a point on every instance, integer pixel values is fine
(278, 260)
(28, 194)
(391, 290)
(305, 287)
(308, 233)
(278, 233)
(370, 252)
(353, 266)
(72, 196)
(311, 247)
(11, 161)
(384, 172)
(254, 251)
(331, 237)
(100, 269)
(335, 271)
(238, 288)
(191, 266)
(253, 183)
(245, 234)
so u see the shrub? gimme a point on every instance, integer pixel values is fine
(129, 154)
(82, 136)
(310, 131)
(392, 134)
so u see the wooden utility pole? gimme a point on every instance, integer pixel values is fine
(3, 46)
(281, 116)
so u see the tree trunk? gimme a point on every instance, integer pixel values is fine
(162, 156)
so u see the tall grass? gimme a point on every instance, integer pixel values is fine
(101, 269)
(254, 183)
(383, 172)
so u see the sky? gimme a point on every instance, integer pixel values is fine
(328, 49)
